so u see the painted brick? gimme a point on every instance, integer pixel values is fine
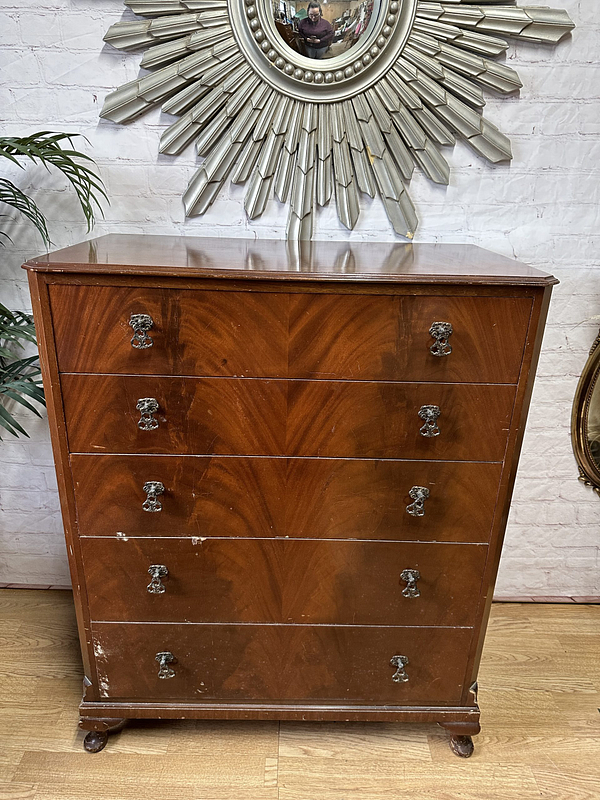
(541, 208)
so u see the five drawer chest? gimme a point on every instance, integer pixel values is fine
(285, 471)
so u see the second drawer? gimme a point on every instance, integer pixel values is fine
(282, 581)
(337, 419)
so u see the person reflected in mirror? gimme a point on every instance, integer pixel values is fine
(316, 32)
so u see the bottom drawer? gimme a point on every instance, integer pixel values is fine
(287, 663)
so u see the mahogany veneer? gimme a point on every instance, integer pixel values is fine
(251, 416)
(325, 498)
(281, 568)
(293, 663)
(293, 335)
(282, 581)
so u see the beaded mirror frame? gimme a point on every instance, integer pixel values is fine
(309, 131)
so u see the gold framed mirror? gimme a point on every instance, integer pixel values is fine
(318, 115)
(585, 420)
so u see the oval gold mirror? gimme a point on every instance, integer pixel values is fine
(585, 422)
(324, 29)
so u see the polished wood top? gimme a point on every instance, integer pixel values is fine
(177, 256)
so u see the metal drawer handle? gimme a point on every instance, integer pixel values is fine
(419, 494)
(153, 489)
(399, 662)
(141, 324)
(411, 576)
(163, 659)
(441, 332)
(156, 586)
(147, 406)
(430, 415)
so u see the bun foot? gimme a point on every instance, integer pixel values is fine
(98, 729)
(461, 742)
(95, 741)
(462, 746)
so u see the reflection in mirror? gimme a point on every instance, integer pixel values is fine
(323, 29)
(593, 424)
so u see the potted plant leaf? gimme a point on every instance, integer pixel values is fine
(20, 378)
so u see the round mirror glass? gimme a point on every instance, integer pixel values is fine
(593, 424)
(326, 29)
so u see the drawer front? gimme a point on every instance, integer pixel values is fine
(343, 419)
(275, 663)
(193, 332)
(387, 338)
(282, 581)
(271, 497)
(261, 334)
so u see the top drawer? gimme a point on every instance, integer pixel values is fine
(280, 335)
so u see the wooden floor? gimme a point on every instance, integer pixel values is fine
(539, 696)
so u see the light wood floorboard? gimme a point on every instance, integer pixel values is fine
(539, 697)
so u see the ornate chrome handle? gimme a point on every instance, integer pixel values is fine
(163, 659)
(419, 494)
(441, 332)
(399, 662)
(430, 415)
(153, 489)
(411, 576)
(147, 406)
(156, 586)
(141, 323)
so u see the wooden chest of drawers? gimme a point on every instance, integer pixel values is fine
(284, 475)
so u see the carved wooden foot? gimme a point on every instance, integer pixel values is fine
(461, 742)
(95, 741)
(99, 728)
(462, 746)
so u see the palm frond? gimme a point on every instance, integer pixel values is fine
(45, 148)
(12, 196)
(8, 422)
(15, 325)
(20, 378)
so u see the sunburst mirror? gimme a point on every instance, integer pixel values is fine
(312, 102)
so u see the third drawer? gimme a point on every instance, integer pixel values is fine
(282, 581)
(248, 497)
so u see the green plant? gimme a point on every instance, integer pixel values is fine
(45, 148)
(20, 378)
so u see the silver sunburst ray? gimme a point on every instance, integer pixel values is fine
(306, 135)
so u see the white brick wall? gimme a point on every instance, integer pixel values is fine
(542, 209)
